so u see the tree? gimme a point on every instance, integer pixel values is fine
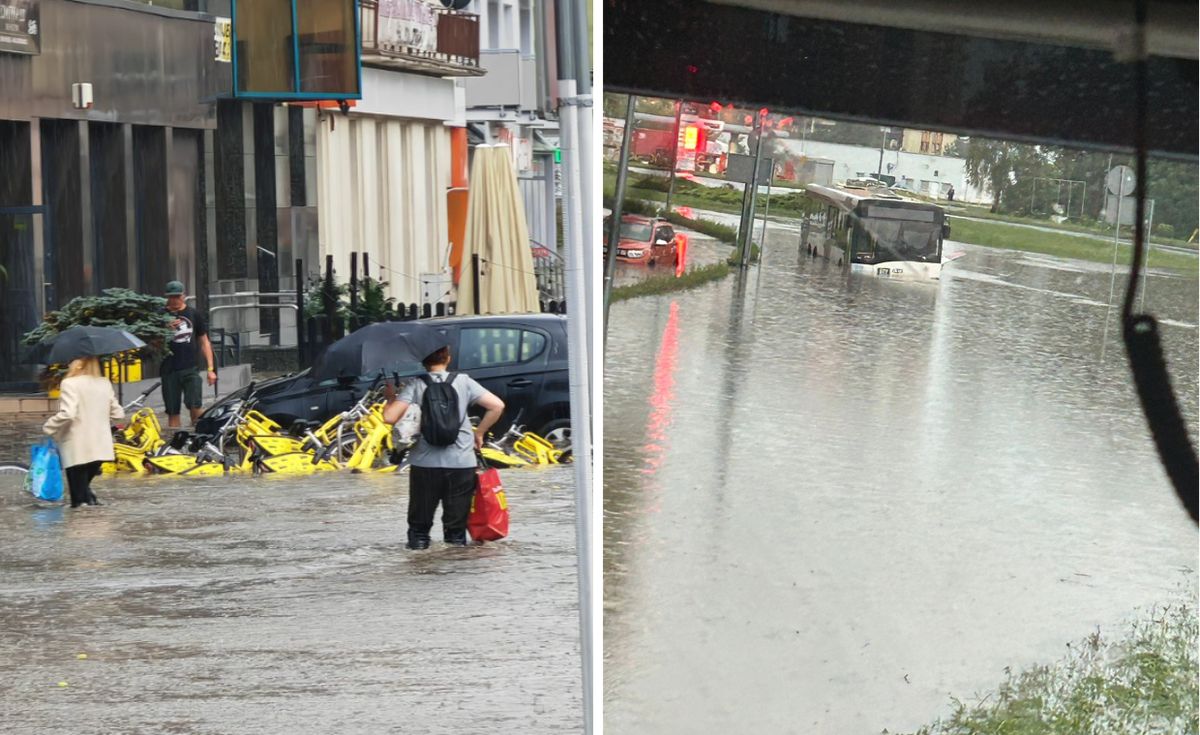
(142, 315)
(1004, 168)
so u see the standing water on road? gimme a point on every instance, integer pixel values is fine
(274, 605)
(832, 502)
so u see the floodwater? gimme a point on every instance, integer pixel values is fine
(834, 502)
(285, 605)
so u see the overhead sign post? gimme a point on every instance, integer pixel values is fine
(20, 29)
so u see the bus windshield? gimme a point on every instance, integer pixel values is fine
(906, 234)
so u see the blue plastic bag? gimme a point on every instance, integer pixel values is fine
(45, 478)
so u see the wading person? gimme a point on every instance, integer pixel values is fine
(81, 426)
(443, 459)
(180, 377)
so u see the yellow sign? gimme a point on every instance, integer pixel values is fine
(223, 39)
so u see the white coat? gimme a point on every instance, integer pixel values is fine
(81, 426)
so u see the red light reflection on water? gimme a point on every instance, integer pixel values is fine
(663, 397)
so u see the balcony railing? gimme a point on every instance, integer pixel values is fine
(418, 36)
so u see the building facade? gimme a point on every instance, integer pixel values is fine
(926, 141)
(107, 120)
(513, 105)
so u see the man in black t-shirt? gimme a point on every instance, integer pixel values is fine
(178, 370)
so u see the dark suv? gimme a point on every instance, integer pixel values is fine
(522, 358)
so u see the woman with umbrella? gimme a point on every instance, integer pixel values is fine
(86, 403)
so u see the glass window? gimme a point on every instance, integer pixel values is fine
(328, 46)
(532, 344)
(480, 348)
(488, 348)
(265, 58)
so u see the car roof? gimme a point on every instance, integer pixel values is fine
(486, 318)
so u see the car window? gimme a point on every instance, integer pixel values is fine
(480, 347)
(532, 344)
(635, 231)
(664, 233)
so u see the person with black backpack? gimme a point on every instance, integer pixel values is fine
(443, 459)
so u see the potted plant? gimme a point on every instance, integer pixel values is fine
(142, 315)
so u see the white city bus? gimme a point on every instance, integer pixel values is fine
(873, 230)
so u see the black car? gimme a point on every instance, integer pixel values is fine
(521, 358)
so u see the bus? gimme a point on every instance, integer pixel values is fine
(871, 229)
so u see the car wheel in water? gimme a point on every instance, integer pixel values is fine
(557, 432)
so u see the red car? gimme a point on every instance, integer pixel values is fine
(647, 241)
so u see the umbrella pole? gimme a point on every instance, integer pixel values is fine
(475, 280)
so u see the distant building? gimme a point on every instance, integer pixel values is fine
(924, 173)
(926, 141)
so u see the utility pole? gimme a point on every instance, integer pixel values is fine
(575, 74)
(674, 164)
(614, 228)
(747, 223)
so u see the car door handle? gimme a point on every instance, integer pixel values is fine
(520, 383)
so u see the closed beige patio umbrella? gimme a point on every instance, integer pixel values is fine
(498, 233)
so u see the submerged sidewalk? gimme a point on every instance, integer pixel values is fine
(22, 415)
(285, 604)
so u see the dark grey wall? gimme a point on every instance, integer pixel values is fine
(145, 67)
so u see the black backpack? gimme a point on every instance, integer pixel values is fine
(441, 417)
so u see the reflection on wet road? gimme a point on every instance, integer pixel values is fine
(285, 605)
(837, 502)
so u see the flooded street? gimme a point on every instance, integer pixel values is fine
(275, 605)
(833, 503)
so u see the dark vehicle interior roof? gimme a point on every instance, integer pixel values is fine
(1046, 71)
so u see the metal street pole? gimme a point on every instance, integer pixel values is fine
(746, 224)
(752, 187)
(882, 143)
(674, 153)
(762, 242)
(614, 220)
(579, 375)
(1112, 286)
(1146, 258)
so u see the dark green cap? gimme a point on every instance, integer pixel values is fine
(174, 288)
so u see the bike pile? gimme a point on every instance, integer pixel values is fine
(357, 439)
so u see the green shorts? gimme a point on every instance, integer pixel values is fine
(187, 382)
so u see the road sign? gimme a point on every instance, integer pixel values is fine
(1121, 181)
(741, 168)
(1120, 187)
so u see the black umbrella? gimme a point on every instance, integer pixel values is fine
(382, 346)
(82, 342)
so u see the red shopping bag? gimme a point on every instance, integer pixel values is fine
(488, 519)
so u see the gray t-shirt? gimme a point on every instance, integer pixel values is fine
(461, 454)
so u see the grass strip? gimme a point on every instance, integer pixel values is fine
(716, 230)
(1096, 229)
(664, 284)
(1144, 682)
(1015, 237)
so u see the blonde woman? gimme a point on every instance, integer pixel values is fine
(81, 426)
